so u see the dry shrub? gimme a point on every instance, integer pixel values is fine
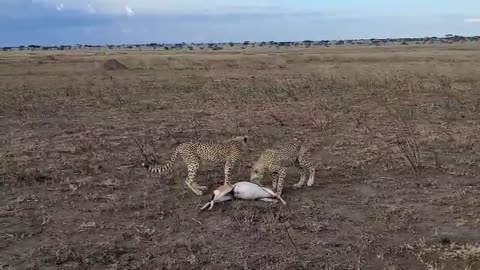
(405, 134)
(400, 138)
(49, 59)
(440, 255)
(322, 120)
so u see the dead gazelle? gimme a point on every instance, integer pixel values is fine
(242, 190)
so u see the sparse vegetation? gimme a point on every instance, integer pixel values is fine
(73, 196)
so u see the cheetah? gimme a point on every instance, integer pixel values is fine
(194, 152)
(277, 160)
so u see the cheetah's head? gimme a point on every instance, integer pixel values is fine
(256, 173)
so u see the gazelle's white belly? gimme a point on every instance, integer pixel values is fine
(249, 191)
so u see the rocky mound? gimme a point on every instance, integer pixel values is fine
(113, 64)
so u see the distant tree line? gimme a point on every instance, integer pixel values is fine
(449, 38)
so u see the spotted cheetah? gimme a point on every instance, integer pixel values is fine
(277, 160)
(194, 152)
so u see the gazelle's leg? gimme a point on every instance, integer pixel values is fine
(267, 200)
(275, 195)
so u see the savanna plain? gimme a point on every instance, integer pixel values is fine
(394, 133)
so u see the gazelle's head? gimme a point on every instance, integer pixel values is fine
(221, 191)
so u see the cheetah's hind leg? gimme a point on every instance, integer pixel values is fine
(305, 161)
(190, 181)
(312, 176)
(303, 178)
(193, 188)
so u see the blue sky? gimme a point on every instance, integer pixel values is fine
(49, 22)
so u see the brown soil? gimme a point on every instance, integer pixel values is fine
(395, 133)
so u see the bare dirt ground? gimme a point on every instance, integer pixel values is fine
(395, 133)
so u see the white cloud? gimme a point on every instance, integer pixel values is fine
(129, 11)
(472, 20)
(170, 7)
(91, 9)
(60, 7)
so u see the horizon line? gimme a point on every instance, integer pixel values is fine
(446, 36)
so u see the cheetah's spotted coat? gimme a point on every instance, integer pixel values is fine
(277, 161)
(194, 152)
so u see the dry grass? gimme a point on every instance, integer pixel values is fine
(394, 131)
(440, 255)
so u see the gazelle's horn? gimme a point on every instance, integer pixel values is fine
(207, 204)
(217, 194)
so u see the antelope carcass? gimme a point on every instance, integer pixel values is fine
(242, 190)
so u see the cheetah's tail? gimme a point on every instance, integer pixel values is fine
(166, 167)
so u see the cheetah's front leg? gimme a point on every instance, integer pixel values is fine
(274, 181)
(194, 183)
(282, 173)
(229, 165)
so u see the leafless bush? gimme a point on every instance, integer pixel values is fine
(467, 254)
(360, 118)
(322, 122)
(405, 140)
(476, 105)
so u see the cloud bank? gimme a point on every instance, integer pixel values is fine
(167, 7)
(472, 20)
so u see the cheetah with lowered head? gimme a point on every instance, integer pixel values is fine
(277, 160)
(194, 152)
